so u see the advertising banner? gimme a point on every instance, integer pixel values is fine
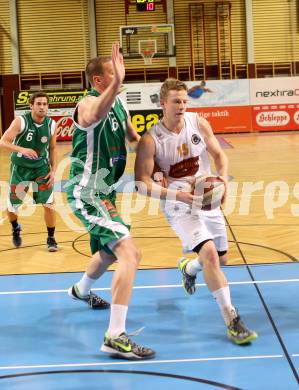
(225, 104)
(275, 103)
(230, 106)
(61, 108)
(227, 119)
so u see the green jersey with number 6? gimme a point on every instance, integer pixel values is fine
(99, 151)
(34, 136)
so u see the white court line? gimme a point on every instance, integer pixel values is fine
(141, 362)
(148, 287)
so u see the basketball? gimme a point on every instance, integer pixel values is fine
(211, 189)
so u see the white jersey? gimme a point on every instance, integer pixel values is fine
(184, 155)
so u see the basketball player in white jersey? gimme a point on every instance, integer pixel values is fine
(180, 145)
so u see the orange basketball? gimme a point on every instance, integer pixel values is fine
(211, 189)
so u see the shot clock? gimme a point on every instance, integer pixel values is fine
(145, 5)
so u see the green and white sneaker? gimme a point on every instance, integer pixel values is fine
(122, 347)
(239, 333)
(187, 280)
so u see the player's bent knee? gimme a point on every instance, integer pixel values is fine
(223, 259)
(211, 259)
(128, 251)
(136, 255)
(133, 258)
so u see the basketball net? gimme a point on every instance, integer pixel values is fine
(147, 50)
(147, 56)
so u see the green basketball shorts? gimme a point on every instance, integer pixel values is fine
(20, 180)
(99, 216)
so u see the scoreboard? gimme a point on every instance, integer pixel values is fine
(145, 5)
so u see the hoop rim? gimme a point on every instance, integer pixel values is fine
(147, 53)
(148, 59)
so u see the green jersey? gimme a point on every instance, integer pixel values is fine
(34, 136)
(99, 151)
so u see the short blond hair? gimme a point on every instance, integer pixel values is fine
(172, 85)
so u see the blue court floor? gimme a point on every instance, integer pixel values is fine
(49, 341)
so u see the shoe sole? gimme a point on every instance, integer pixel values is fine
(17, 246)
(124, 355)
(70, 294)
(52, 249)
(189, 292)
(245, 341)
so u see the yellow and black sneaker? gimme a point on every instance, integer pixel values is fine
(239, 333)
(122, 347)
(93, 300)
(187, 280)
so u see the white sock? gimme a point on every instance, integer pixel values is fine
(85, 284)
(117, 323)
(222, 296)
(193, 267)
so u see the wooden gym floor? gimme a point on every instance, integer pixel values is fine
(262, 212)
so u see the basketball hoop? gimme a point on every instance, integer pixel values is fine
(162, 34)
(147, 50)
(147, 56)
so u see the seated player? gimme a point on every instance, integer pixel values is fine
(180, 144)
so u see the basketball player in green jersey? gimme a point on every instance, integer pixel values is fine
(32, 139)
(98, 161)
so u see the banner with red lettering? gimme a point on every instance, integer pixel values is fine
(275, 103)
(65, 127)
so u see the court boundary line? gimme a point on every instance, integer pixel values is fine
(147, 268)
(134, 362)
(114, 371)
(253, 282)
(264, 304)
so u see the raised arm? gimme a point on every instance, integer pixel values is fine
(92, 109)
(8, 137)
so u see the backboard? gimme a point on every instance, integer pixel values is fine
(163, 34)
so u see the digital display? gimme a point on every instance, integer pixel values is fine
(145, 5)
